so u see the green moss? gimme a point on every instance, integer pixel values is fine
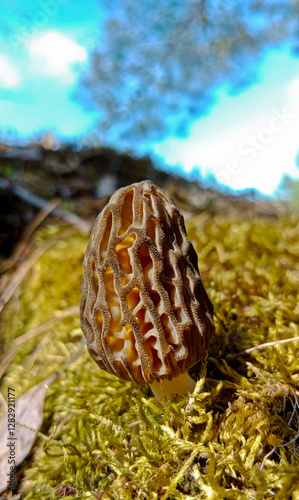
(109, 439)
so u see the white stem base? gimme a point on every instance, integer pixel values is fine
(180, 385)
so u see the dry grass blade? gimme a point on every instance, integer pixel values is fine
(18, 343)
(7, 287)
(265, 346)
(23, 242)
(276, 448)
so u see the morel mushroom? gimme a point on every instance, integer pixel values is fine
(144, 311)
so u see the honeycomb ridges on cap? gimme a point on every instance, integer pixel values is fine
(144, 310)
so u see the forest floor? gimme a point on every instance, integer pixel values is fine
(82, 432)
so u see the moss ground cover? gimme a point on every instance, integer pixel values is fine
(107, 439)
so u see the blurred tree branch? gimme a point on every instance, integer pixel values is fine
(158, 64)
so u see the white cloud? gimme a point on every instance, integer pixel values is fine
(253, 151)
(54, 54)
(293, 89)
(9, 77)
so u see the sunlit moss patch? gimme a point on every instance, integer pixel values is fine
(108, 439)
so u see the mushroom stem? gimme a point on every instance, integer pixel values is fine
(180, 385)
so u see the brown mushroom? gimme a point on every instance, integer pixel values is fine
(144, 311)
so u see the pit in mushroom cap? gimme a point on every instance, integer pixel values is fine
(144, 311)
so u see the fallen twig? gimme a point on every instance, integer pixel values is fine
(39, 202)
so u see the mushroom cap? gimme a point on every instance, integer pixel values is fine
(144, 311)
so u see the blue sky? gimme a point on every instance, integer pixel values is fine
(41, 44)
(247, 140)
